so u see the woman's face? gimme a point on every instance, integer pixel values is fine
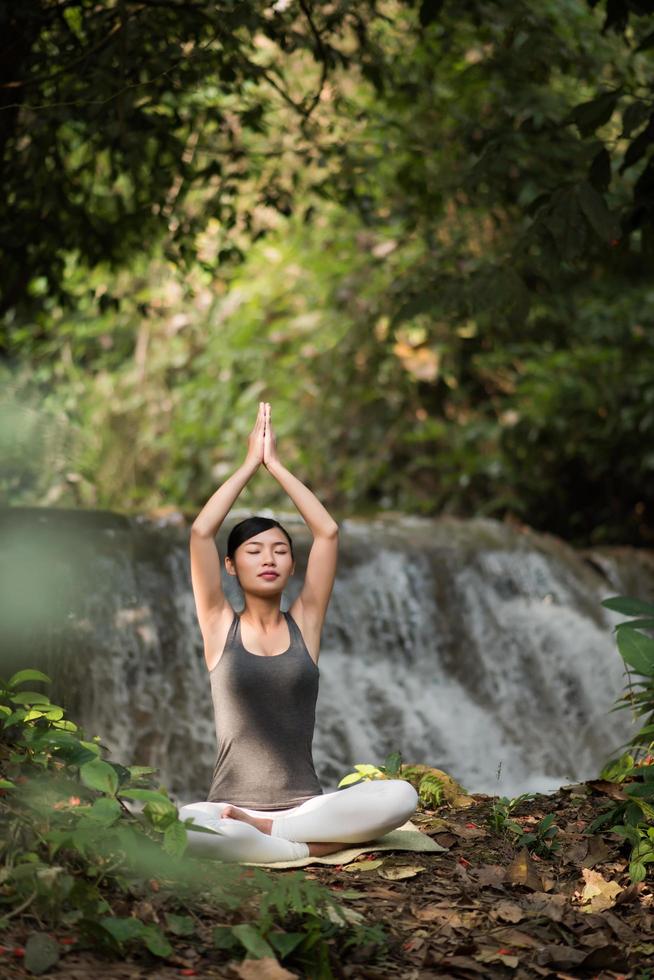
(268, 551)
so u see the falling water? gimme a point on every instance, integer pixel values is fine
(473, 645)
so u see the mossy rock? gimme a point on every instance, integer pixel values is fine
(452, 793)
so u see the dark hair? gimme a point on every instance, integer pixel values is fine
(248, 528)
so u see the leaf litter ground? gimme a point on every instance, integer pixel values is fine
(485, 908)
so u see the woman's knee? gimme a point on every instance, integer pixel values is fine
(403, 796)
(201, 811)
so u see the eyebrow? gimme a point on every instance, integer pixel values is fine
(274, 542)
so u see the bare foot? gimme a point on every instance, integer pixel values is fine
(264, 824)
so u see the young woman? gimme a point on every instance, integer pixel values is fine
(266, 802)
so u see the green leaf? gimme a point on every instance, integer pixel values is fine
(354, 777)
(99, 774)
(175, 839)
(253, 941)
(156, 941)
(6, 784)
(599, 172)
(29, 697)
(602, 221)
(589, 116)
(123, 929)
(637, 149)
(637, 871)
(563, 221)
(640, 790)
(65, 725)
(643, 624)
(224, 938)
(137, 771)
(285, 942)
(32, 714)
(16, 716)
(635, 114)
(27, 675)
(55, 713)
(393, 764)
(181, 925)
(41, 952)
(628, 606)
(105, 811)
(64, 746)
(637, 650)
(149, 795)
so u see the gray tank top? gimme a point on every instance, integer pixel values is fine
(264, 709)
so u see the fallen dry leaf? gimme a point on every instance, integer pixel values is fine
(470, 833)
(380, 892)
(630, 893)
(267, 968)
(490, 875)
(553, 906)
(598, 894)
(512, 938)
(496, 955)
(522, 871)
(507, 911)
(363, 865)
(444, 914)
(608, 789)
(404, 871)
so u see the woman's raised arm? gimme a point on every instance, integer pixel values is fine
(205, 559)
(321, 564)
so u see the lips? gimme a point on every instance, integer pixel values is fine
(269, 575)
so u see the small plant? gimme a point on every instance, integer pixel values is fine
(430, 790)
(391, 769)
(498, 819)
(430, 787)
(633, 817)
(539, 840)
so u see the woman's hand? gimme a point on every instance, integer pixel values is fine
(270, 456)
(255, 440)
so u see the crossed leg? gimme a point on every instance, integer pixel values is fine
(356, 814)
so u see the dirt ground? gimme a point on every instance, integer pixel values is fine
(481, 909)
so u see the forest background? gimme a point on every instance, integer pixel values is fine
(423, 231)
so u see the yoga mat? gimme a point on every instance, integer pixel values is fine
(408, 837)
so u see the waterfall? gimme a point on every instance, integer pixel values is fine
(473, 645)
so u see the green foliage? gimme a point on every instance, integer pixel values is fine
(430, 790)
(499, 815)
(71, 845)
(127, 126)
(539, 841)
(637, 651)
(391, 769)
(633, 817)
(430, 787)
(463, 227)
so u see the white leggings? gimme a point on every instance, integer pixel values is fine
(353, 815)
